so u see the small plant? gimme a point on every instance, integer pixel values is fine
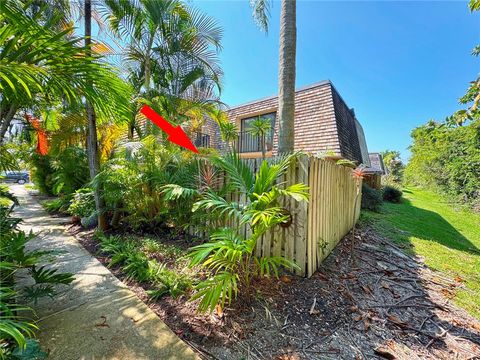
(167, 282)
(83, 203)
(136, 266)
(43, 275)
(391, 194)
(117, 248)
(54, 206)
(233, 261)
(261, 127)
(371, 198)
(150, 246)
(17, 329)
(132, 257)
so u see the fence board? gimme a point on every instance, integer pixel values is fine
(317, 226)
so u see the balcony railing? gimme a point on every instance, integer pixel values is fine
(247, 142)
(201, 140)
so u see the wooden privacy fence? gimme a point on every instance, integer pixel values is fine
(317, 225)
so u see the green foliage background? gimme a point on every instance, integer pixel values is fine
(446, 157)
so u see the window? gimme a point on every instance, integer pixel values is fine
(245, 124)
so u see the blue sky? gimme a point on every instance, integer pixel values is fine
(398, 64)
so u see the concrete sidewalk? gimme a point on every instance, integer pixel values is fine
(97, 316)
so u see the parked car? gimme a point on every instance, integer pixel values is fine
(19, 177)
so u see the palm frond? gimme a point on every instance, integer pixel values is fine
(261, 13)
(176, 192)
(211, 202)
(238, 172)
(217, 290)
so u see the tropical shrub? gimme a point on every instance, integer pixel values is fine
(61, 173)
(16, 330)
(393, 165)
(83, 203)
(371, 198)
(137, 260)
(42, 173)
(446, 157)
(54, 206)
(134, 185)
(391, 194)
(229, 256)
(70, 171)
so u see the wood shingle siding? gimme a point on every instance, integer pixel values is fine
(323, 122)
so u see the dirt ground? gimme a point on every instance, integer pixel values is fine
(374, 303)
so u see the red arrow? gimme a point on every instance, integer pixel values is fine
(175, 133)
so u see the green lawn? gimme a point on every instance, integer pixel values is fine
(448, 238)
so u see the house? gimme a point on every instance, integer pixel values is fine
(324, 124)
(374, 172)
(376, 164)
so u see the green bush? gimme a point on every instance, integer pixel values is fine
(371, 198)
(391, 194)
(167, 282)
(83, 203)
(132, 256)
(16, 327)
(42, 173)
(61, 173)
(134, 186)
(446, 157)
(55, 206)
(70, 171)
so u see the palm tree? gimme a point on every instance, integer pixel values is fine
(286, 75)
(39, 65)
(260, 127)
(92, 141)
(229, 255)
(229, 133)
(171, 55)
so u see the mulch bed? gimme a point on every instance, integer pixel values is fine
(374, 303)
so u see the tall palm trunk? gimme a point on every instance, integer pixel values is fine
(92, 142)
(286, 76)
(264, 153)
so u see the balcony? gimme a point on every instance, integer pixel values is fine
(247, 142)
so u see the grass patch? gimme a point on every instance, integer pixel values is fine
(448, 238)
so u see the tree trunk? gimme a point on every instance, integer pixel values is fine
(286, 77)
(92, 142)
(6, 119)
(117, 214)
(263, 147)
(131, 129)
(147, 64)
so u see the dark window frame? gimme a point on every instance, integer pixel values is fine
(270, 113)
